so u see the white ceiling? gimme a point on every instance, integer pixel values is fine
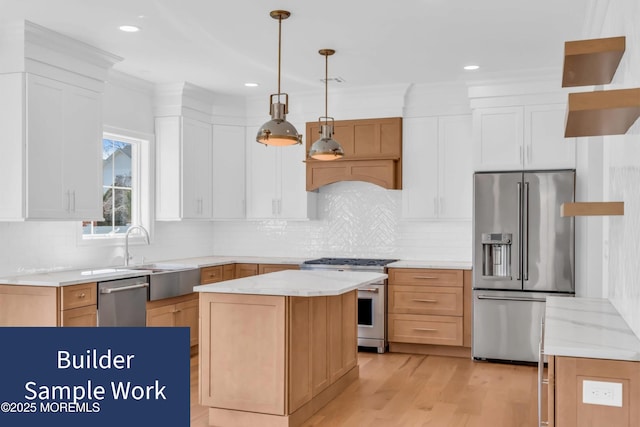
(221, 45)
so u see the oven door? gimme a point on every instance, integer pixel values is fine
(371, 308)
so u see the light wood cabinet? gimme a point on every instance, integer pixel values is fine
(272, 268)
(567, 408)
(73, 305)
(276, 183)
(229, 198)
(430, 311)
(183, 169)
(437, 167)
(178, 311)
(246, 270)
(372, 153)
(212, 274)
(275, 355)
(522, 137)
(51, 150)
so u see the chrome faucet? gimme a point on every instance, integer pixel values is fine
(143, 230)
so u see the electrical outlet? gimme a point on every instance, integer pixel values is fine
(602, 393)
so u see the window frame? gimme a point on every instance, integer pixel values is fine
(142, 189)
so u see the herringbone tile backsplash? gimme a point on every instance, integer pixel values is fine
(355, 219)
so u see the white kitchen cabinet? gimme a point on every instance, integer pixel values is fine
(437, 167)
(183, 169)
(522, 137)
(229, 172)
(51, 157)
(276, 178)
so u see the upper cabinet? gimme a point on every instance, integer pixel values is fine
(275, 181)
(51, 119)
(183, 169)
(372, 153)
(437, 168)
(522, 137)
(229, 172)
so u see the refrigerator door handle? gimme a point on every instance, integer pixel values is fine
(518, 261)
(496, 298)
(525, 233)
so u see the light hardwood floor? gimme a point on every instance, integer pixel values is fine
(407, 390)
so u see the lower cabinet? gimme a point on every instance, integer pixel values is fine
(593, 392)
(268, 355)
(73, 305)
(272, 268)
(246, 270)
(429, 311)
(178, 311)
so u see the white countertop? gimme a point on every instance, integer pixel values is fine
(304, 283)
(444, 265)
(76, 276)
(588, 327)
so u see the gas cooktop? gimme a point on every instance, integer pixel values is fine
(351, 261)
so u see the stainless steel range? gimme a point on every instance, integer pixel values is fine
(372, 298)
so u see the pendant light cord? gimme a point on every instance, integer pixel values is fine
(326, 87)
(279, 52)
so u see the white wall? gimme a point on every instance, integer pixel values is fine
(621, 168)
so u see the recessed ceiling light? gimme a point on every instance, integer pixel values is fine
(471, 67)
(249, 84)
(129, 28)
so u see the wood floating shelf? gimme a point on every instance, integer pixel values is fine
(606, 112)
(592, 208)
(591, 62)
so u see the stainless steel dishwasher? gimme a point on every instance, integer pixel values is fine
(123, 302)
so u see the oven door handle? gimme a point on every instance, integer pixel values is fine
(372, 290)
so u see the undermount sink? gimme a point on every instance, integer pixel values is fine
(169, 280)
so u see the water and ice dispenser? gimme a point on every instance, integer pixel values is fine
(496, 255)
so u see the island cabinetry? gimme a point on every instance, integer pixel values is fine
(429, 309)
(572, 404)
(274, 360)
(74, 305)
(178, 311)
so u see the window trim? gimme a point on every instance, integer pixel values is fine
(141, 179)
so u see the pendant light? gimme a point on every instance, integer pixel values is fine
(278, 131)
(326, 148)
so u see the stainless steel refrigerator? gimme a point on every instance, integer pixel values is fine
(523, 251)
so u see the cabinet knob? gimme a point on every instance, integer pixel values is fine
(82, 295)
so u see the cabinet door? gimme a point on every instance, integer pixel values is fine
(82, 153)
(455, 167)
(161, 316)
(545, 144)
(63, 151)
(228, 172)
(342, 334)
(246, 270)
(420, 168)
(47, 197)
(261, 177)
(196, 169)
(187, 315)
(82, 316)
(498, 138)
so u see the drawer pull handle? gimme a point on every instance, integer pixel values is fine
(424, 300)
(82, 295)
(425, 329)
(425, 277)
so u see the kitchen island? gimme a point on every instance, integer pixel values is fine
(276, 348)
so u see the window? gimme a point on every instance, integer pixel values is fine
(121, 188)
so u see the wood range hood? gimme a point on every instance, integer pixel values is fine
(372, 153)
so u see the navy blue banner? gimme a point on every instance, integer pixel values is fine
(99, 377)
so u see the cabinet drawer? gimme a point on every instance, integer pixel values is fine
(246, 270)
(211, 274)
(81, 316)
(272, 268)
(423, 329)
(421, 276)
(438, 300)
(81, 295)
